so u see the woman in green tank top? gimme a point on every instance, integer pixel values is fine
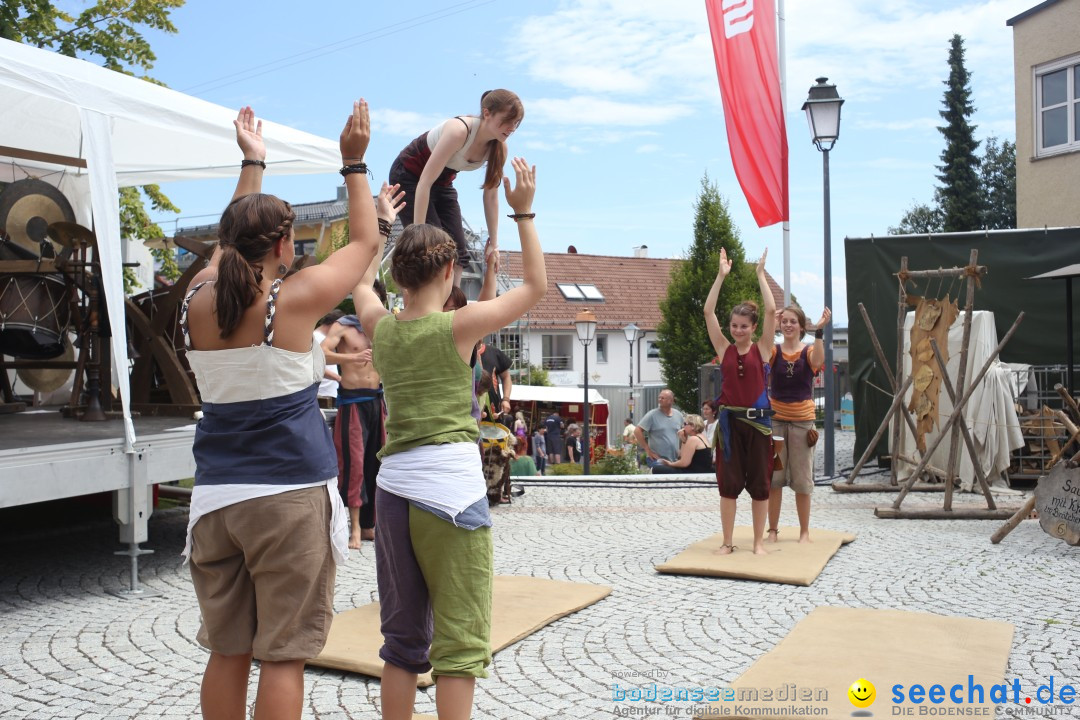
(433, 541)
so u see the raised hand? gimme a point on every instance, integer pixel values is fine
(249, 134)
(826, 316)
(491, 253)
(521, 196)
(357, 133)
(725, 264)
(389, 201)
(761, 263)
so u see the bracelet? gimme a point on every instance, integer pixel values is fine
(245, 163)
(356, 168)
(819, 334)
(384, 227)
(521, 216)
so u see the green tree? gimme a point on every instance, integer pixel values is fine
(682, 337)
(960, 196)
(920, 219)
(108, 32)
(998, 178)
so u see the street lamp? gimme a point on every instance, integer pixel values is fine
(631, 333)
(822, 108)
(585, 322)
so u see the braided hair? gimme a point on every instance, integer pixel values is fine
(249, 227)
(419, 254)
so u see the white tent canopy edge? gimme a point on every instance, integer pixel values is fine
(128, 132)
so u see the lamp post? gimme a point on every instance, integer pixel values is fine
(585, 322)
(822, 108)
(631, 333)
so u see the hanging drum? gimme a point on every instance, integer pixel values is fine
(34, 310)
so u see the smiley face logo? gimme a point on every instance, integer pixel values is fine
(862, 693)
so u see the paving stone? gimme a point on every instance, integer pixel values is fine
(70, 650)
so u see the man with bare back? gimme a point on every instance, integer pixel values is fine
(359, 430)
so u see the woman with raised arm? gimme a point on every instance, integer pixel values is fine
(792, 395)
(265, 463)
(433, 548)
(744, 446)
(426, 168)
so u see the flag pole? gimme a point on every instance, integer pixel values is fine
(782, 47)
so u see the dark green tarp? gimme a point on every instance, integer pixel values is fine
(1009, 255)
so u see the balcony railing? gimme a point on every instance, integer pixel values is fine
(557, 362)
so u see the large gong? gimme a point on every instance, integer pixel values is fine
(28, 207)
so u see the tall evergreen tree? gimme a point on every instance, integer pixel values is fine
(960, 197)
(683, 339)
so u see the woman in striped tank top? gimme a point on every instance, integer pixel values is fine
(791, 394)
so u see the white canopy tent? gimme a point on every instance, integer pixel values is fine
(102, 130)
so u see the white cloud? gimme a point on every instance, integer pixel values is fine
(649, 148)
(403, 122)
(595, 111)
(662, 53)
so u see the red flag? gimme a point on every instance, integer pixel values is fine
(747, 65)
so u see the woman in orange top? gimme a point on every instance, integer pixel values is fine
(794, 365)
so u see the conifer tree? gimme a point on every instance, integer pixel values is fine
(960, 195)
(683, 338)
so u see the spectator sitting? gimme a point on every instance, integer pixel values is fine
(695, 456)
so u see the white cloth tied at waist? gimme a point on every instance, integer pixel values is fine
(449, 477)
(206, 499)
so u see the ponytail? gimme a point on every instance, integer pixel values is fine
(249, 227)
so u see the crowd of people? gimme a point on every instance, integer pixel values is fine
(403, 466)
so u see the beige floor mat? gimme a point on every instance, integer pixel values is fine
(833, 647)
(520, 607)
(788, 561)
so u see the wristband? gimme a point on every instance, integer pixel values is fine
(521, 216)
(384, 227)
(819, 334)
(245, 163)
(356, 168)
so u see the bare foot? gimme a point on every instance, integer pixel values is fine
(772, 536)
(367, 533)
(805, 537)
(724, 550)
(759, 549)
(354, 542)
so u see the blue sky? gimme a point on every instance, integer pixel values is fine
(623, 111)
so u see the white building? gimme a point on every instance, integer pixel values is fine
(619, 291)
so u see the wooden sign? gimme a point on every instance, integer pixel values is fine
(1057, 498)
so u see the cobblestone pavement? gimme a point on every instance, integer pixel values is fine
(68, 649)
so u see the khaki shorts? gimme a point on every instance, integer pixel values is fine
(797, 457)
(264, 573)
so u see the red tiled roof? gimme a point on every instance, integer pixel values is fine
(632, 288)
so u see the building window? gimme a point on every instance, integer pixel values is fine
(601, 348)
(580, 292)
(652, 351)
(1057, 107)
(304, 247)
(557, 351)
(510, 343)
